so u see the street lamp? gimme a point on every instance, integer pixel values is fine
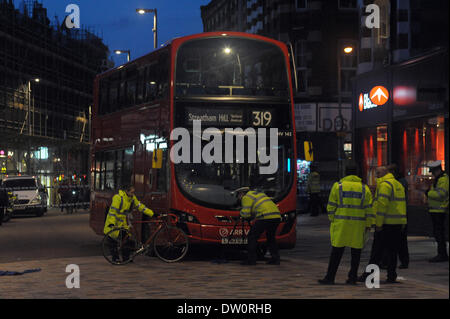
(339, 121)
(123, 51)
(155, 32)
(30, 131)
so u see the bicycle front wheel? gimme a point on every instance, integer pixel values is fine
(171, 244)
(119, 246)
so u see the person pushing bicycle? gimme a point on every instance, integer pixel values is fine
(122, 205)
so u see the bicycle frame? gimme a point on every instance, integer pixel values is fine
(171, 219)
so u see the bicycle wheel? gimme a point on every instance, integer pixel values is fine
(170, 244)
(119, 246)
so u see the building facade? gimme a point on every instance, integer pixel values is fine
(408, 57)
(46, 85)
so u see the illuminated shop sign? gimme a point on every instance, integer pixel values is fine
(404, 95)
(378, 96)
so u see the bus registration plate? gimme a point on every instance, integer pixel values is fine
(234, 241)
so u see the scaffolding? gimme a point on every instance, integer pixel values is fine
(51, 116)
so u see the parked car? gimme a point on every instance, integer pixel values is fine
(30, 195)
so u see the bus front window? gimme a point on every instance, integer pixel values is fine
(230, 66)
(212, 184)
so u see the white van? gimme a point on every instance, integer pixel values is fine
(31, 196)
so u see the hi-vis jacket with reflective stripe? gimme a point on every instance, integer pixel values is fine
(438, 196)
(313, 184)
(121, 206)
(350, 212)
(390, 202)
(259, 205)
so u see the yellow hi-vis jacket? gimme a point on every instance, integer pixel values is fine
(390, 202)
(121, 206)
(260, 206)
(313, 183)
(438, 196)
(350, 212)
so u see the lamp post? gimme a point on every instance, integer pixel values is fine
(339, 121)
(155, 25)
(124, 51)
(30, 131)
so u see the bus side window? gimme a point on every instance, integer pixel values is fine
(163, 76)
(151, 83)
(162, 174)
(131, 88)
(140, 89)
(150, 179)
(104, 94)
(113, 94)
(123, 91)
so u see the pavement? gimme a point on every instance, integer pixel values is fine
(200, 278)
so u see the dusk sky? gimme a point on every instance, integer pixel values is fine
(123, 28)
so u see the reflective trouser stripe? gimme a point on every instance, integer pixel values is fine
(350, 218)
(437, 210)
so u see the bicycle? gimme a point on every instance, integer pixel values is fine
(170, 244)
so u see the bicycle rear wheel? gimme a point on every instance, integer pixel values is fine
(119, 246)
(170, 244)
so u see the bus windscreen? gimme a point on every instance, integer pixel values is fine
(230, 67)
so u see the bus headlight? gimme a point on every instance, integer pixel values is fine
(186, 217)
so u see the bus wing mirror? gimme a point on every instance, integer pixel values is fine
(293, 66)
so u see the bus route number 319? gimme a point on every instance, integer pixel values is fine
(263, 118)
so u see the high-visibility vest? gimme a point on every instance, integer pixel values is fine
(121, 206)
(438, 196)
(259, 205)
(313, 184)
(350, 212)
(390, 202)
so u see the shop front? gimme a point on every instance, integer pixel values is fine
(401, 117)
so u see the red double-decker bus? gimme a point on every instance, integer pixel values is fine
(230, 81)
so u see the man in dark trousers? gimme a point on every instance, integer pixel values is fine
(403, 254)
(350, 213)
(389, 206)
(267, 217)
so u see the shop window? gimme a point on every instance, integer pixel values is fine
(419, 142)
(374, 152)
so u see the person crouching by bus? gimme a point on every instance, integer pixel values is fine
(267, 218)
(350, 213)
(123, 204)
